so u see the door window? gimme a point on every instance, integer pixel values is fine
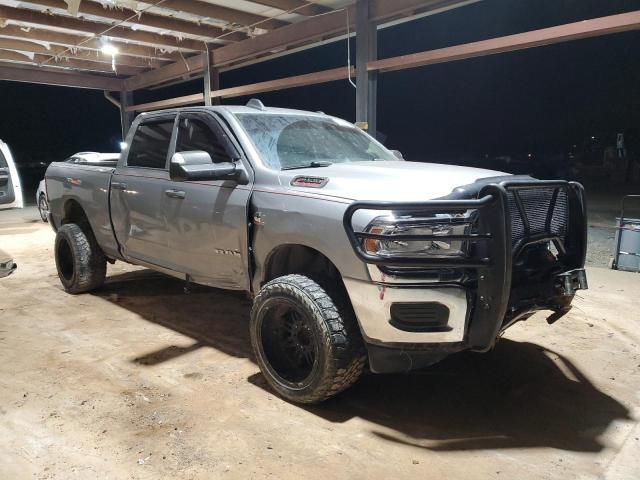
(150, 144)
(195, 134)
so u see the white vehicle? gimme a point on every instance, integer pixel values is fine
(80, 158)
(10, 188)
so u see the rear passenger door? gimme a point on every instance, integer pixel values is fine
(207, 220)
(138, 192)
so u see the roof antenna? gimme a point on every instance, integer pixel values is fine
(257, 104)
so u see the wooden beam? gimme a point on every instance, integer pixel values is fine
(61, 78)
(85, 55)
(78, 64)
(219, 12)
(547, 36)
(68, 40)
(383, 11)
(301, 7)
(123, 33)
(261, 87)
(148, 19)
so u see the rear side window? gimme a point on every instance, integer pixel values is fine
(3, 162)
(150, 144)
(195, 134)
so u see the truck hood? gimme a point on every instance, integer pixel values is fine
(388, 180)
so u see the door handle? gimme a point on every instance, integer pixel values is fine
(175, 193)
(118, 186)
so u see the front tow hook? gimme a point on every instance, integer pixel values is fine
(572, 281)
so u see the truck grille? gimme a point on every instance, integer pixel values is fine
(538, 211)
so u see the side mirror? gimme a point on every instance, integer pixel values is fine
(398, 154)
(197, 165)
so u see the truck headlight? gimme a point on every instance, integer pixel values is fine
(436, 231)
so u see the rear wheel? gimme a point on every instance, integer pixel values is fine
(80, 262)
(307, 348)
(43, 207)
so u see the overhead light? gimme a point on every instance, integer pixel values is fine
(109, 49)
(123, 145)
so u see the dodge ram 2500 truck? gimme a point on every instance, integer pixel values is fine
(352, 256)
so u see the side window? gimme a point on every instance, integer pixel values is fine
(195, 134)
(150, 144)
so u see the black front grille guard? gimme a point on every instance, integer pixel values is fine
(493, 229)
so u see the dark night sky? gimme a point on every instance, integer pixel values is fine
(535, 100)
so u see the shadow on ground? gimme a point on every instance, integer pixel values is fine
(518, 395)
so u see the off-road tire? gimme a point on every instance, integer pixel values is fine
(341, 356)
(80, 262)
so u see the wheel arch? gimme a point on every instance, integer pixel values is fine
(297, 258)
(74, 213)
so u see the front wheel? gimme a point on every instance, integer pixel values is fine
(308, 348)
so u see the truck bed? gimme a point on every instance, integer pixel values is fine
(88, 186)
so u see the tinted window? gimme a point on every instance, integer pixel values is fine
(3, 162)
(195, 134)
(150, 145)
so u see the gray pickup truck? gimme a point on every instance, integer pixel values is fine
(352, 256)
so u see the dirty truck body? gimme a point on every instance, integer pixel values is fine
(352, 255)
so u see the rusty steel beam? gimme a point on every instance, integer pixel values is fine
(547, 36)
(261, 87)
(58, 77)
(536, 38)
(306, 31)
(277, 39)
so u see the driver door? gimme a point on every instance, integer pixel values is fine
(207, 220)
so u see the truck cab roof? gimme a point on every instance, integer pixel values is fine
(253, 106)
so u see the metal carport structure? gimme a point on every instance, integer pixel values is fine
(122, 45)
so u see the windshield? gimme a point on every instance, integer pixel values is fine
(287, 141)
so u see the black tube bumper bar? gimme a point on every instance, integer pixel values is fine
(493, 237)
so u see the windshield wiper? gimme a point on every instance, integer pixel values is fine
(314, 164)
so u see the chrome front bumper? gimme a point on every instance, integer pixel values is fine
(372, 305)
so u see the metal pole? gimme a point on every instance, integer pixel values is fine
(215, 84)
(126, 118)
(366, 82)
(206, 62)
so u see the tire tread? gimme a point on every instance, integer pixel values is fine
(346, 353)
(89, 262)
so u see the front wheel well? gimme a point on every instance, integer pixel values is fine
(300, 259)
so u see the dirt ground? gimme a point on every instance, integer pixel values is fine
(140, 380)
